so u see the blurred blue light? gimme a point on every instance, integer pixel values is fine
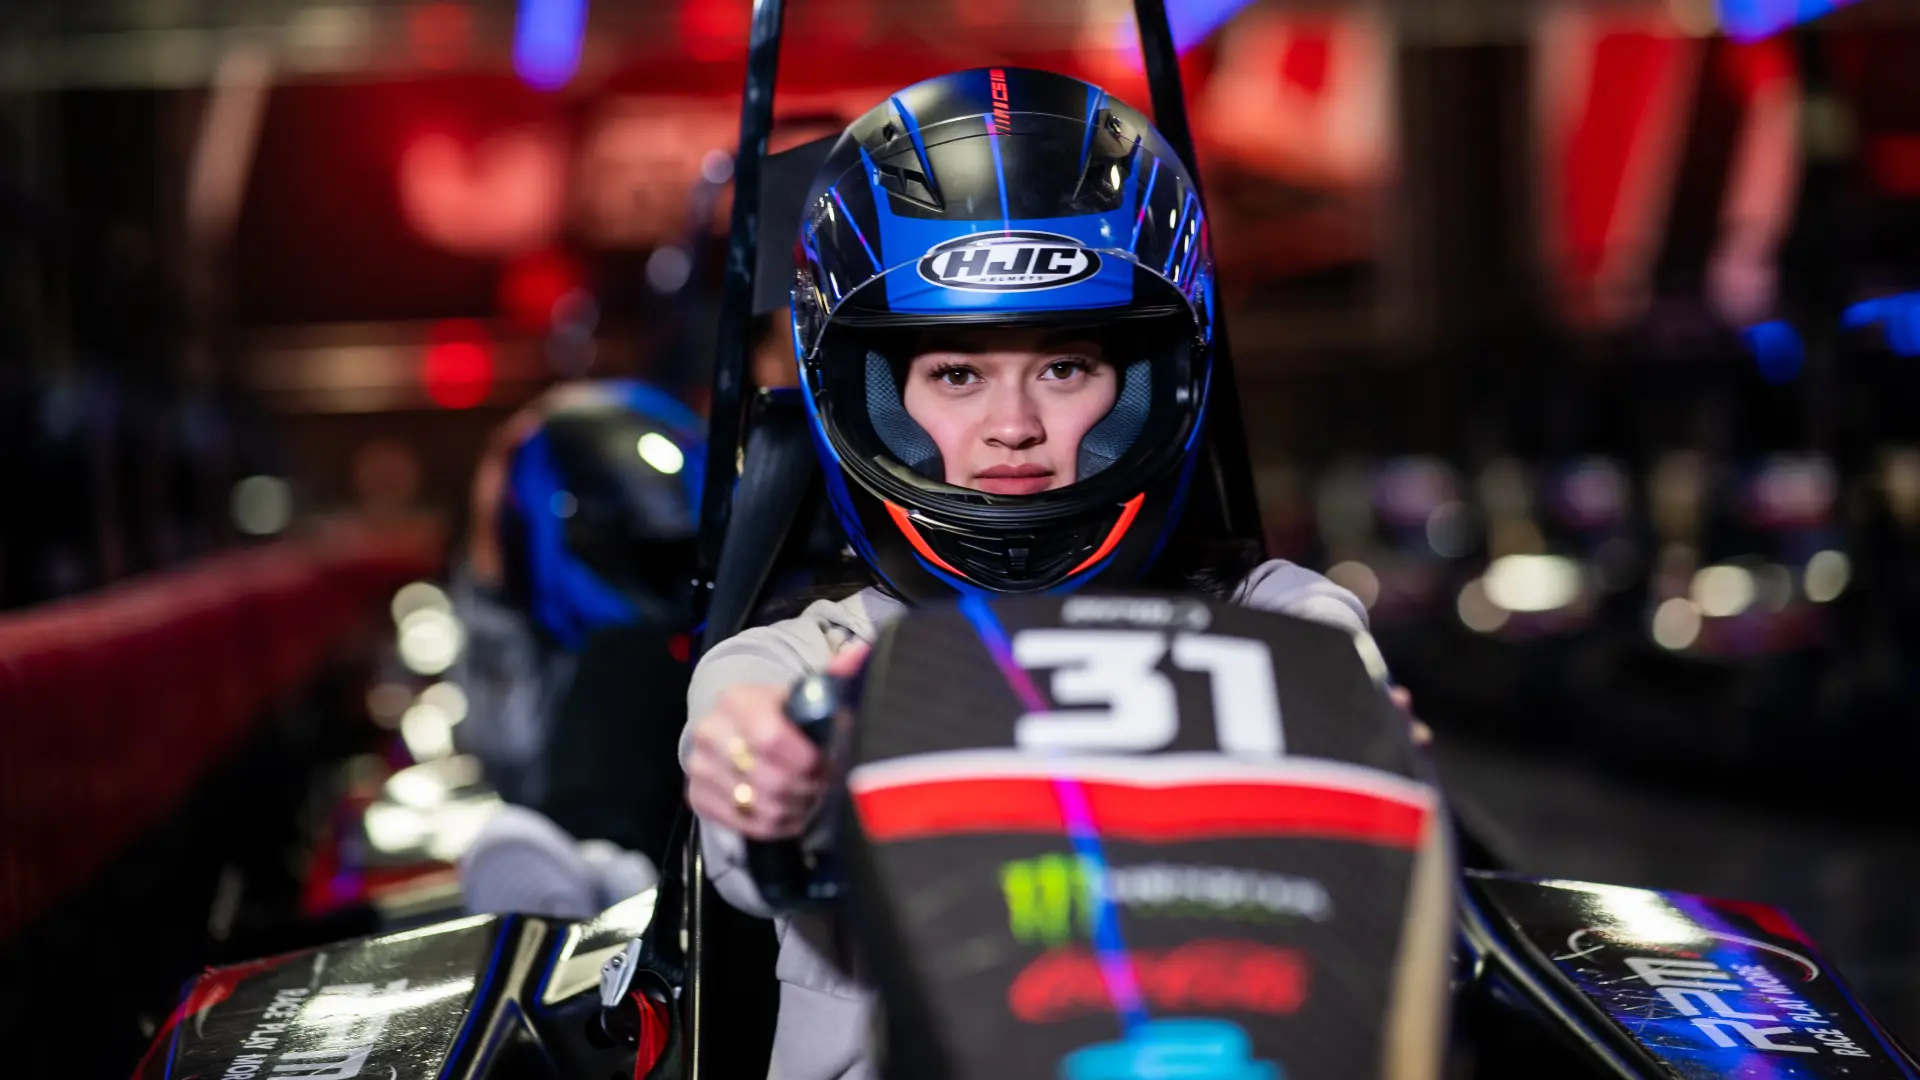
(1776, 349)
(1193, 20)
(1898, 317)
(1189, 20)
(1750, 20)
(546, 41)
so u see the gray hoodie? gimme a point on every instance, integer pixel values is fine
(513, 683)
(824, 1027)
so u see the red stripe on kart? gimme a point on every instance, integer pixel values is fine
(1133, 812)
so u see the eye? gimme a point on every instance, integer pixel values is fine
(955, 376)
(1066, 368)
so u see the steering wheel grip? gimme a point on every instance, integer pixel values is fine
(786, 874)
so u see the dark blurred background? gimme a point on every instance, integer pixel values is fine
(1573, 337)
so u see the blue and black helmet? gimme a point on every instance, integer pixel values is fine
(1004, 197)
(601, 517)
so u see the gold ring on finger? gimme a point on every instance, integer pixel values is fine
(743, 797)
(741, 755)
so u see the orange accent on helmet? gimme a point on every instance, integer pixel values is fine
(1106, 547)
(1113, 538)
(919, 542)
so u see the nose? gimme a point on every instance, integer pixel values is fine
(1013, 418)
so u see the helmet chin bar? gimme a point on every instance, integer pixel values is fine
(1018, 561)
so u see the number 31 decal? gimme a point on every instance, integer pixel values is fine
(1132, 705)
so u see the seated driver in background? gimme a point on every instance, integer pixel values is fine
(577, 583)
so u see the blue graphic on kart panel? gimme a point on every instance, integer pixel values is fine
(1709, 1002)
(1172, 1050)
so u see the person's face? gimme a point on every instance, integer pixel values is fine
(1008, 408)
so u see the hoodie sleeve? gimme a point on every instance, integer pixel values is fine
(1281, 586)
(768, 655)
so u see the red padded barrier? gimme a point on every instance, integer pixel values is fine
(113, 705)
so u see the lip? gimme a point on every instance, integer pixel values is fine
(1014, 479)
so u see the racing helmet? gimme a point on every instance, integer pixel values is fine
(1003, 197)
(600, 520)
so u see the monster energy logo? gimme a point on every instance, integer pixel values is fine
(1051, 899)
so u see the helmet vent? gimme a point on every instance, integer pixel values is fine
(909, 184)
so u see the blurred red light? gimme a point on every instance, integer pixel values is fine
(1750, 68)
(852, 24)
(1893, 159)
(981, 14)
(440, 34)
(502, 194)
(712, 30)
(1308, 57)
(533, 284)
(458, 367)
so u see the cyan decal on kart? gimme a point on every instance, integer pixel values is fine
(1188, 1049)
(1711, 988)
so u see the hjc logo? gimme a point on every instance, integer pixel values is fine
(1009, 262)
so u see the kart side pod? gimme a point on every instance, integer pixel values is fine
(484, 998)
(1638, 983)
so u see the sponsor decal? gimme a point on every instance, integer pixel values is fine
(1191, 1049)
(1208, 976)
(1723, 996)
(1709, 988)
(1002, 114)
(1014, 261)
(1051, 899)
(335, 1029)
(1137, 610)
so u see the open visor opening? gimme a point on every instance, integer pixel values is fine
(859, 376)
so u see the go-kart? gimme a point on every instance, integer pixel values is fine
(1090, 838)
(1085, 837)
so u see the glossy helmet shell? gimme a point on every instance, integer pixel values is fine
(1003, 197)
(601, 518)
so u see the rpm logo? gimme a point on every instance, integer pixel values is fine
(1009, 262)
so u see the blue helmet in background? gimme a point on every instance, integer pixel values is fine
(1004, 197)
(602, 513)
